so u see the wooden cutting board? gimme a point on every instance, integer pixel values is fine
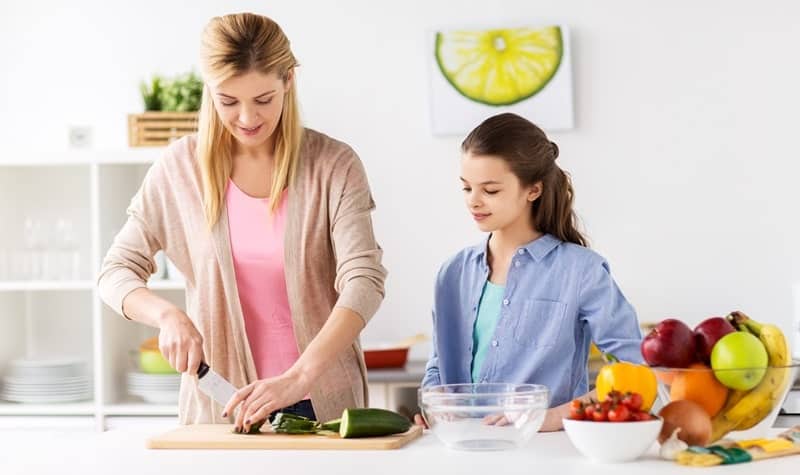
(220, 436)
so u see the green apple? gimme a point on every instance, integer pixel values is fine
(739, 360)
(153, 362)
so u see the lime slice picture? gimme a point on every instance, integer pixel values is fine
(499, 67)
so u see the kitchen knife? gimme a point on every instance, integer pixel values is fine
(214, 385)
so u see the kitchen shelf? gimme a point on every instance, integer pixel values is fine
(141, 155)
(41, 285)
(136, 408)
(62, 409)
(92, 190)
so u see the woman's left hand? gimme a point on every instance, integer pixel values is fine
(260, 398)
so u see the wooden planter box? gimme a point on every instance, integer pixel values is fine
(159, 128)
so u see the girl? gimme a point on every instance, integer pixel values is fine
(523, 305)
(270, 224)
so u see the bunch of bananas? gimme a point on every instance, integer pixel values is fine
(745, 409)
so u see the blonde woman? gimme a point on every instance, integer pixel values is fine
(270, 224)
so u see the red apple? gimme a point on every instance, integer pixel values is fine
(671, 344)
(706, 335)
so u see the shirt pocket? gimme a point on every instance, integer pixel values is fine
(539, 325)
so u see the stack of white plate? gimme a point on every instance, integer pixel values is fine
(154, 388)
(46, 381)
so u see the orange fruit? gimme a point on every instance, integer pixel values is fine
(698, 384)
(666, 376)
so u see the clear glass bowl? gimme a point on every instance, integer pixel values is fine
(484, 416)
(760, 396)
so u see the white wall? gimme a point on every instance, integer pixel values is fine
(684, 155)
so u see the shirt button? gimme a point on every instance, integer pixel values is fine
(520, 252)
(494, 342)
(505, 302)
(517, 263)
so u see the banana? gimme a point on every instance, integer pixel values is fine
(719, 424)
(767, 404)
(755, 404)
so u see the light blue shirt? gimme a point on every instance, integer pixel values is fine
(558, 298)
(485, 323)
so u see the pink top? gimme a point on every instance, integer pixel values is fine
(256, 239)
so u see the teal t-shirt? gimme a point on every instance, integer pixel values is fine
(485, 324)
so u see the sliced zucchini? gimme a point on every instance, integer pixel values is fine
(331, 425)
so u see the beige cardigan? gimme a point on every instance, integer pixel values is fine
(331, 259)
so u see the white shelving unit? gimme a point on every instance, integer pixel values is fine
(48, 318)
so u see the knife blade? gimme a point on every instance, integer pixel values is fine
(214, 385)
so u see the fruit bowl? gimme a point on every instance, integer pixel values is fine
(612, 442)
(484, 416)
(743, 413)
(736, 371)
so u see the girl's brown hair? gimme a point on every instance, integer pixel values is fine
(532, 158)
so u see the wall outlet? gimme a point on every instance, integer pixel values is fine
(80, 136)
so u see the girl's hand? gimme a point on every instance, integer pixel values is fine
(553, 419)
(259, 399)
(180, 342)
(418, 420)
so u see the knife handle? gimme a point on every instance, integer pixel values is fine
(202, 370)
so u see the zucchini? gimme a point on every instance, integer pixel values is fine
(255, 428)
(291, 424)
(371, 422)
(331, 425)
(285, 416)
(368, 422)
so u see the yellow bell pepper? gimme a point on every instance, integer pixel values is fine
(624, 377)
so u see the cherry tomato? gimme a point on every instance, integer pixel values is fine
(619, 413)
(577, 415)
(600, 414)
(642, 416)
(633, 401)
(614, 396)
(576, 410)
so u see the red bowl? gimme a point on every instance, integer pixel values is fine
(386, 358)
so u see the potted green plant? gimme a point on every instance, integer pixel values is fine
(171, 106)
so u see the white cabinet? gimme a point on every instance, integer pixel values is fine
(60, 212)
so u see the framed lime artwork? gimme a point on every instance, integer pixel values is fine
(477, 73)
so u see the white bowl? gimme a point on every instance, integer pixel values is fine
(484, 416)
(611, 442)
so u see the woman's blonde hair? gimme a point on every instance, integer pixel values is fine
(233, 45)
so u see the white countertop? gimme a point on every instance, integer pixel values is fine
(121, 451)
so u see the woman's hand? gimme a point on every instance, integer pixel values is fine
(263, 397)
(180, 342)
